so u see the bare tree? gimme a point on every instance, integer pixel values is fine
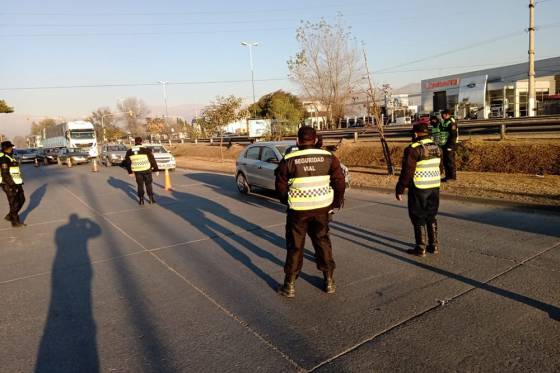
(328, 66)
(138, 110)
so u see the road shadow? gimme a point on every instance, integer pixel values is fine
(69, 337)
(128, 188)
(553, 311)
(34, 201)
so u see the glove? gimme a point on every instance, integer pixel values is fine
(331, 215)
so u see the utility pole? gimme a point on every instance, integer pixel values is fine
(164, 84)
(250, 45)
(532, 94)
(378, 121)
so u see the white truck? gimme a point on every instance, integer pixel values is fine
(76, 134)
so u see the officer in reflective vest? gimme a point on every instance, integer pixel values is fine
(421, 175)
(140, 163)
(12, 183)
(447, 138)
(311, 183)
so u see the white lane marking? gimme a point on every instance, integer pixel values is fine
(38, 224)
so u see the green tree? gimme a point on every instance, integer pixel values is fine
(221, 112)
(104, 116)
(5, 108)
(285, 109)
(37, 127)
(155, 125)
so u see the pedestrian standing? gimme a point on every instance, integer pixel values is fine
(12, 183)
(140, 163)
(448, 139)
(311, 183)
(420, 173)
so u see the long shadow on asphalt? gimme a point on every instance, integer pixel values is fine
(553, 311)
(69, 337)
(197, 214)
(34, 201)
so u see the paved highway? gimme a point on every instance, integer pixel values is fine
(98, 283)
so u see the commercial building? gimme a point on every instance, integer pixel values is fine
(496, 92)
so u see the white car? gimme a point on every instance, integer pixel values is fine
(164, 159)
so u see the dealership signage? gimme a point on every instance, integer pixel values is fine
(442, 84)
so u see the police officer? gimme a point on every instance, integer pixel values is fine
(447, 140)
(311, 183)
(12, 183)
(421, 175)
(140, 161)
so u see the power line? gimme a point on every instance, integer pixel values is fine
(121, 85)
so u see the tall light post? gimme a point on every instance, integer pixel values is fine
(531, 95)
(251, 45)
(164, 86)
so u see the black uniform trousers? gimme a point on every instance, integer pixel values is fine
(423, 205)
(16, 199)
(299, 225)
(144, 178)
(449, 164)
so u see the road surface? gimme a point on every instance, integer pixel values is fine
(96, 282)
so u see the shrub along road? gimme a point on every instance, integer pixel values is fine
(98, 283)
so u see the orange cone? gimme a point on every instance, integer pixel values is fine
(36, 162)
(167, 180)
(94, 165)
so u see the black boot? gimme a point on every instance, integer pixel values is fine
(420, 238)
(433, 243)
(141, 200)
(16, 223)
(8, 217)
(288, 290)
(330, 286)
(151, 199)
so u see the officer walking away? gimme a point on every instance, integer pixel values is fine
(311, 183)
(448, 138)
(421, 175)
(12, 183)
(140, 161)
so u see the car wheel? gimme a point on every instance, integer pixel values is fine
(242, 184)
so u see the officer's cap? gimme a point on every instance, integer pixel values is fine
(7, 144)
(307, 134)
(421, 125)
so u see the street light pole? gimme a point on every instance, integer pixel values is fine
(532, 94)
(164, 86)
(251, 45)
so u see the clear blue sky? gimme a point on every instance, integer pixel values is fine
(63, 42)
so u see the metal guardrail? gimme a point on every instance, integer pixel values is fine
(480, 127)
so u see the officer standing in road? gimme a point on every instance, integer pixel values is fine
(140, 161)
(420, 173)
(311, 183)
(12, 183)
(447, 140)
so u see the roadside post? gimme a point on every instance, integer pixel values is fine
(167, 180)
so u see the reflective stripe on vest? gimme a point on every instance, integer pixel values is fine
(310, 192)
(15, 171)
(139, 162)
(427, 174)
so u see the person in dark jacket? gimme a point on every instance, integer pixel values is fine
(420, 173)
(311, 183)
(12, 183)
(140, 163)
(449, 136)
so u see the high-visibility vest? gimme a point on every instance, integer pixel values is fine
(139, 162)
(427, 174)
(310, 188)
(15, 171)
(441, 133)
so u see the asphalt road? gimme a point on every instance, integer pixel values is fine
(97, 283)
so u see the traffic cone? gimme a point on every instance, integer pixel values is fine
(167, 180)
(36, 162)
(94, 165)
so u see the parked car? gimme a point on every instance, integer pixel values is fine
(25, 155)
(256, 165)
(164, 159)
(113, 154)
(51, 155)
(72, 156)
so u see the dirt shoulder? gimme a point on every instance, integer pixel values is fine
(517, 188)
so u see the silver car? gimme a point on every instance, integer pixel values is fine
(113, 154)
(164, 158)
(257, 163)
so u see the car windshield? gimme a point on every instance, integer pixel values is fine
(158, 149)
(82, 134)
(117, 148)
